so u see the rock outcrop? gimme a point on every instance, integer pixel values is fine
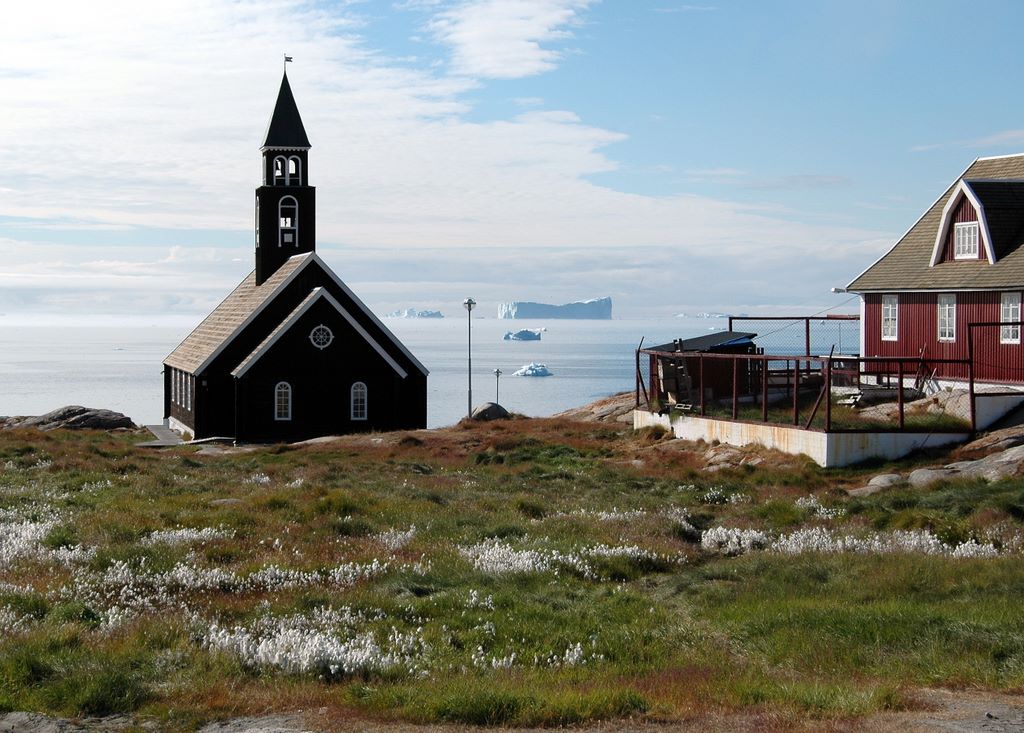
(617, 408)
(1006, 461)
(490, 411)
(71, 417)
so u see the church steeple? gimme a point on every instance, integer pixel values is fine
(285, 129)
(285, 203)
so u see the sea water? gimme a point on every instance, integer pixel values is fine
(48, 362)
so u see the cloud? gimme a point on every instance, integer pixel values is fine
(140, 126)
(506, 39)
(686, 9)
(744, 179)
(1002, 139)
(801, 182)
(716, 174)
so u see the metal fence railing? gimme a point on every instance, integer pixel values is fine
(803, 335)
(832, 393)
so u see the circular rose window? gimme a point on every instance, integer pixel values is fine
(321, 336)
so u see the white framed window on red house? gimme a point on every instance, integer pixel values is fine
(1009, 312)
(890, 317)
(947, 317)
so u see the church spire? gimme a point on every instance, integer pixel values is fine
(285, 129)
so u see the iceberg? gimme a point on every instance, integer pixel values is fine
(595, 308)
(413, 313)
(525, 334)
(533, 369)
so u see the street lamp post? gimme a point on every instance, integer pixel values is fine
(497, 377)
(469, 304)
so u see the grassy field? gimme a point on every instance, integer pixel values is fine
(534, 572)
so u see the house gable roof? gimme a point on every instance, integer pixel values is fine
(314, 296)
(246, 302)
(997, 185)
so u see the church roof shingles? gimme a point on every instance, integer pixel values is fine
(999, 185)
(229, 317)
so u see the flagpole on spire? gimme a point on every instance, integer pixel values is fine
(287, 59)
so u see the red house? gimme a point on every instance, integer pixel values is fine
(962, 263)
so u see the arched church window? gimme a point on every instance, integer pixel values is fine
(359, 401)
(288, 217)
(283, 401)
(279, 171)
(294, 177)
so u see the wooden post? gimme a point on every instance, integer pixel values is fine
(796, 392)
(701, 370)
(970, 376)
(764, 389)
(735, 387)
(637, 388)
(899, 389)
(828, 395)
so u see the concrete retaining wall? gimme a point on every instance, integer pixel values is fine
(825, 449)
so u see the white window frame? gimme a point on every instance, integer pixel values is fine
(295, 162)
(294, 220)
(1009, 311)
(174, 386)
(966, 240)
(280, 172)
(890, 321)
(188, 392)
(946, 317)
(359, 398)
(282, 390)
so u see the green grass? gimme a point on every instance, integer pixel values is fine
(665, 634)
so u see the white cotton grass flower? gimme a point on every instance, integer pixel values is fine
(126, 591)
(187, 536)
(11, 622)
(812, 504)
(494, 557)
(259, 478)
(23, 539)
(606, 515)
(328, 643)
(396, 539)
(475, 600)
(730, 541)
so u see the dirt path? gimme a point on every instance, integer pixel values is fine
(939, 711)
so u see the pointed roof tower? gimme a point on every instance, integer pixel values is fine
(285, 129)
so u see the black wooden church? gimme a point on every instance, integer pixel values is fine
(291, 353)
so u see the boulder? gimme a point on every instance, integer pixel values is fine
(866, 490)
(73, 417)
(926, 476)
(490, 411)
(884, 480)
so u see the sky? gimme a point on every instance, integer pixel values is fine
(676, 156)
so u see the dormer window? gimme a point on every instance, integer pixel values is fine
(965, 246)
